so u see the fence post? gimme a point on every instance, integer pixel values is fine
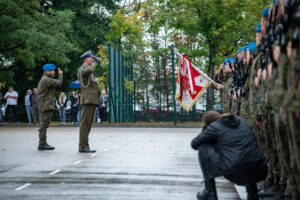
(174, 83)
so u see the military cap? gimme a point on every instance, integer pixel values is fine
(265, 12)
(258, 28)
(89, 53)
(49, 67)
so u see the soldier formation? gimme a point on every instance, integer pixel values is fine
(262, 85)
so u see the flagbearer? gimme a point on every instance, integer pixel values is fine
(89, 98)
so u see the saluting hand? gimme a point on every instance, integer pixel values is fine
(60, 71)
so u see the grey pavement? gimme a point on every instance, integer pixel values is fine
(130, 164)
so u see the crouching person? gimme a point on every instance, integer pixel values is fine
(227, 147)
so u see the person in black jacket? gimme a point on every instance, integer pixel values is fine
(227, 147)
(74, 107)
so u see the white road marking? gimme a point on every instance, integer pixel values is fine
(76, 162)
(55, 172)
(106, 150)
(93, 155)
(23, 186)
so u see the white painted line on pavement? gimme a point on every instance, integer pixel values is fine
(55, 172)
(23, 186)
(76, 162)
(93, 155)
(106, 150)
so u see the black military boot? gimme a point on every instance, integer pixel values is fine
(252, 191)
(86, 150)
(45, 147)
(210, 192)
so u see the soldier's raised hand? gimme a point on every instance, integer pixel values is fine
(60, 71)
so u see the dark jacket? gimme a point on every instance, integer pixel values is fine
(234, 147)
(74, 102)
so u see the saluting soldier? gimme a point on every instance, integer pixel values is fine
(46, 101)
(89, 98)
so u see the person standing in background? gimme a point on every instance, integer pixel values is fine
(1, 97)
(103, 104)
(62, 102)
(28, 106)
(74, 107)
(79, 109)
(34, 105)
(12, 103)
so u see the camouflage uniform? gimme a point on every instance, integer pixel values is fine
(245, 107)
(46, 102)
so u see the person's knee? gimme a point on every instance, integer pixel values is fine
(203, 149)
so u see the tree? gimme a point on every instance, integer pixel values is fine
(219, 26)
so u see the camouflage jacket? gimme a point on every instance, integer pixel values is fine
(46, 89)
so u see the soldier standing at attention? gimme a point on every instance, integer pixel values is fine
(89, 98)
(46, 101)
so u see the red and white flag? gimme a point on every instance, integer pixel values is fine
(190, 84)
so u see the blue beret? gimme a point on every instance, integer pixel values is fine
(258, 28)
(231, 61)
(265, 12)
(252, 46)
(244, 48)
(239, 51)
(89, 53)
(49, 67)
(226, 60)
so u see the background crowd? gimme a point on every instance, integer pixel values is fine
(69, 108)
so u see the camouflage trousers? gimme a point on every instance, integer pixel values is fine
(274, 168)
(45, 119)
(294, 144)
(282, 137)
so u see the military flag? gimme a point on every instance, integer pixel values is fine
(190, 84)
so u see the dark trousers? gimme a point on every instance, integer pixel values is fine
(74, 115)
(102, 113)
(240, 179)
(36, 115)
(13, 109)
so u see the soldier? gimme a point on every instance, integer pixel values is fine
(89, 98)
(46, 101)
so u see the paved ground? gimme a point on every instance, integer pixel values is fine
(130, 164)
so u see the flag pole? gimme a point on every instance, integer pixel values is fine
(174, 83)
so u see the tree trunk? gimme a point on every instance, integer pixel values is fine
(210, 90)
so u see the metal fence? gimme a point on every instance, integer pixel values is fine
(131, 100)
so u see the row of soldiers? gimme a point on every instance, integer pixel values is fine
(262, 85)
